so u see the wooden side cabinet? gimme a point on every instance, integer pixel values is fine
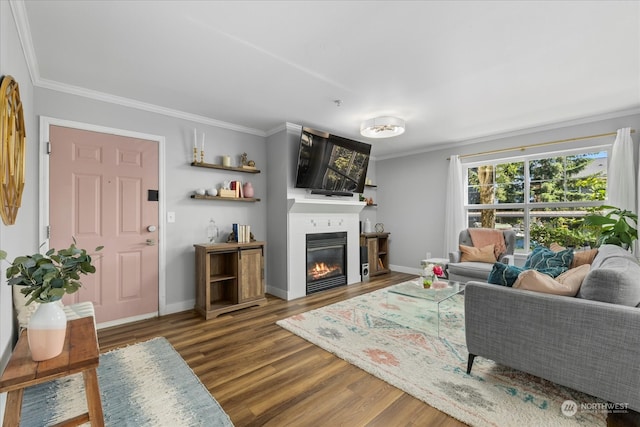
(378, 252)
(229, 277)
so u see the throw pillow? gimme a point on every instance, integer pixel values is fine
(555, 247)
(567, 284)
(504, 274)
(583, 257)
(544, 258)
(532, 280)
(483, 254)
(574, 277)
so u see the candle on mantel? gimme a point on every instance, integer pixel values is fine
(195, 139)
(202, 149)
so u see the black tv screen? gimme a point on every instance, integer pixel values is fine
(330, 164)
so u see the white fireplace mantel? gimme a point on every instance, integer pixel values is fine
(326, 205)
(320, 215)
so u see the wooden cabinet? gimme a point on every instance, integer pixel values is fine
(378, 252)
(229, 276)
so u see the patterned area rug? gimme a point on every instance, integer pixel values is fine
(394, 337)
(146, 384)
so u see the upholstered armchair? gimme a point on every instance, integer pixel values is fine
(475, 262)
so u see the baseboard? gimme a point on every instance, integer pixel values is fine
(403, 269)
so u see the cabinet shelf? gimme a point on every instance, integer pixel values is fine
(229, 199)
(221, 278)
(225, 168)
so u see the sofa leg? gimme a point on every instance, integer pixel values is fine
(470, 362)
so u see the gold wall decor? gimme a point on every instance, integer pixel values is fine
(12, 150)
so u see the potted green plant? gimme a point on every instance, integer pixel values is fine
(45, 279)
(613, 225)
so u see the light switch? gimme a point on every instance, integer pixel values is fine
(171, 217)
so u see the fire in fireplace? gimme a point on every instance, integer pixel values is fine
(326, 261)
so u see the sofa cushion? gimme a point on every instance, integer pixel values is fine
(614, 277)
(567, 284)
(544, 259)
(503, 274)
(483, 254)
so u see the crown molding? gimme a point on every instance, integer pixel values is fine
(131, 103)
(19, 12)
(514, 133)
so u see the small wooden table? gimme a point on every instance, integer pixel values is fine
(80, 354)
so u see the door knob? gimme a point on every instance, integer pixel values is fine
(151, 242)
(151, 228)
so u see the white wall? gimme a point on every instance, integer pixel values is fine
(192, 216)
(21, 237)
(411, 189)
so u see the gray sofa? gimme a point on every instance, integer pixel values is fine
(470, 270)
(590, 342)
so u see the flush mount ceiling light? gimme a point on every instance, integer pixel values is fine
(382, 127)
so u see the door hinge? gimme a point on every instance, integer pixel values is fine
(48, 148)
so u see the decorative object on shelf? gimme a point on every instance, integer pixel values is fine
(195, 146)
(12, 149)
(367, 226)
(212, 191)
(45, 279)
(226, 161)
(247, 189)
(200, 191)
(246, 164)
(382, 127)
(379, 227)
(212, 231)
(202, 150)
(368, 182)
(234, 239)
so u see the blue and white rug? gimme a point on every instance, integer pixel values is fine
(146, 384)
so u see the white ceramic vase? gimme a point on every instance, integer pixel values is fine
(46, 331)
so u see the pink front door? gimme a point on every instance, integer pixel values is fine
(99, 193)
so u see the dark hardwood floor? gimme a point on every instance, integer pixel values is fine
(263, 375)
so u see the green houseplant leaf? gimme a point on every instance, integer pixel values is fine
(615, 226)
(48, 277)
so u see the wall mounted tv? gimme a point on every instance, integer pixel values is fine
(330, 164)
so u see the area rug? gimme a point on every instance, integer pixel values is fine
(145, 384)
(394, 337)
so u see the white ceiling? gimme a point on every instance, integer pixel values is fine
(454, 71)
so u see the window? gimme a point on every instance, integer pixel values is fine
(542, 197)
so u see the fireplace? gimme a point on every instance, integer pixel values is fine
(326, 261)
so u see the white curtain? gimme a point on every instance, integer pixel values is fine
(621, 180)
(454, 208)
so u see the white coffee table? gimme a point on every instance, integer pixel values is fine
(415, 289)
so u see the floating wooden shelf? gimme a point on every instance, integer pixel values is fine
(228, 199)
(225, 168)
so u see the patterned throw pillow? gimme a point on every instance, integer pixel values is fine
(504, 274)
(545, 260)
